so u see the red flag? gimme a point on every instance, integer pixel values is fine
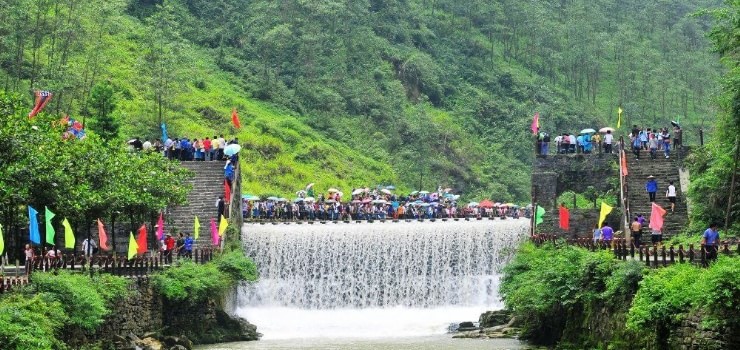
(536, 123)
(564, 218)
(160, 227)
(102, 236)
(624, 164)
(235, 119)
(141, 240)
(227, 191)
(656, 217)
(42, 98)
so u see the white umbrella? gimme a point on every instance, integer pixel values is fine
(358, 191)
(310, 199)
(423, 192)
(386, 191)
(332, 190)
(588, 131)
(232, 149)
(473, 204)
(605, 129)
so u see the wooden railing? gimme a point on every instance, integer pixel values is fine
(651, 255)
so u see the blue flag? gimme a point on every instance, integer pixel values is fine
(164, 132)
(33, 226)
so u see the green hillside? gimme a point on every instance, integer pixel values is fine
(417, 93)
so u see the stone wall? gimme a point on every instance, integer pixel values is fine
(692, 335)
(552, 175)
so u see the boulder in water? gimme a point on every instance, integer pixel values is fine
(494, 318)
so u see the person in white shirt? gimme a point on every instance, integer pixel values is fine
(608, 139)
(147, 146)
(88, 247)
(671, 194)
(559, 143)
(572, 143)
(221, 146)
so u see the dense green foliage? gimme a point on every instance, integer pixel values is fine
(579, 299)
(33, 317)
(191, 282)
(712, 166)
(352, 93)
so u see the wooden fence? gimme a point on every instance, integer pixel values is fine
(651, 255)
(115, 264)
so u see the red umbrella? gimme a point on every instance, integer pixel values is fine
(485, 204)
(367, 200)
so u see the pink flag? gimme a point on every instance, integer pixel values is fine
(656, 217)
(536, 123)
(214, 232)
(160, 227)
(102, 236)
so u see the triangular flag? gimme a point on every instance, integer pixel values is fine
(605, 210)
(2, 240)
(133, 247)
(624, 164)
(141, 240)
(214, 232)
(619, 117)
(235, 119)
(102, 237)
(160, 227)
(196, 228)
(33, 226)
(539, 215)
(227, 191)
(536, 123)
(164, 133)
(48, 215)
(564, 218)
(222, 225)
(69, 236)
(42, 98)
(656, 217)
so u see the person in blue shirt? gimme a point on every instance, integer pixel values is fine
(188, 246)
(710, 241)
(651, 187)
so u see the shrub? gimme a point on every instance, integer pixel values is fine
(193, 282)
(29, 322)
(237, 266)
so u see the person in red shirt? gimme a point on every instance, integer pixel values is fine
(207, 146)
(169, 244)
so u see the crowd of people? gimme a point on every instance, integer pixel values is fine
(587, 141)
(184, 149)
(654, 140)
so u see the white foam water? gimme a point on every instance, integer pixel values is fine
(371, 280)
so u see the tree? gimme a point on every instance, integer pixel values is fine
(103, 103)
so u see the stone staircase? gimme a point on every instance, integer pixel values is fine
(664, 170)
(207, 184)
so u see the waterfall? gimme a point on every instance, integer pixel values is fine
(319, 271)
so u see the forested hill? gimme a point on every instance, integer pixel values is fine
(364, 92)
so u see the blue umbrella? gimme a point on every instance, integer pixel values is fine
(232, 149)
(395, 204)
(391, 187)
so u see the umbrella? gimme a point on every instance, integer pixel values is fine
(424, 204)
(473, 204)
(497, 204)
(367, 200)
(340, 194)
(297, 200)
(510, 205)
(379, 201)
(675, 123)
(330, 201)
(423, 192)
(413, 193)
(356, 201)
(486, 204)
(250, 197)
(310, 199)
(299, 192)
(395, 204)
(588, 131)
(358, 191)
(129, 141)
(332, 190)
(386, 191)
(604, 130)
(391, 187)
(447, 190)
(272, 198)
(309, 186)
(232, 149)
(281, 199)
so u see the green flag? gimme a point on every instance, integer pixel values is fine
(196, 228)
(49, 227)
(69, 236)
(2, 241)
(539, 215)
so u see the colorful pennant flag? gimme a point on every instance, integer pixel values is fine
(235, 119)
(619, 117)
(624, 164)
(102, 237)
(196, 228)
(605, 210)
(564, 218)
(42, 99)
(536, 123)
(50, 233)
(222, 225)
(2, 241)
(69, 236)
(227, 191)
(656, 217)
(141, 240)
(33, 226)
(164, 133)
(133, 247)
(160, 227)
(539, 215)
(214, 232)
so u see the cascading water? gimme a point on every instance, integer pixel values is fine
(374, 279)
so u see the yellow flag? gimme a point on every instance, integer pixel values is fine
(619, 118)
(222, 225)
(69, 236)
(132, 246)
(605, 210)
(196, 229)
(2, 241)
